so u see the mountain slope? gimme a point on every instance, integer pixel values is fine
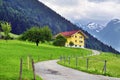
(23, 14)
(26, 13)
(111, 34)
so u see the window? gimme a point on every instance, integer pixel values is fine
(75, 36)
(79, 45)
(75, 45)
(81, 41)
(75, 40)
(81, 37)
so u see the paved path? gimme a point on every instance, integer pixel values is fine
(95, 52)
(50, 70)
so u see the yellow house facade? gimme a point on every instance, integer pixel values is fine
(77, 38)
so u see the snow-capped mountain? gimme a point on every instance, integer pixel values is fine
(109, 34)
(95, 27)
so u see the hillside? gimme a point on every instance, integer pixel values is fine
(113, 29)
(23, 14)
(13, 50)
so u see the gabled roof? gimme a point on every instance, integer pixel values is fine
(70, 33)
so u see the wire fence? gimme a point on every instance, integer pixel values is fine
(83, 63)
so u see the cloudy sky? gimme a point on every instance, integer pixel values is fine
(99, 11)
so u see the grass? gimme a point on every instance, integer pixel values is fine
(11, 35)
(12, 50)
(96, 63)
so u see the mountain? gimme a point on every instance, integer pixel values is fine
(108, 34)
(26, 13)
(95, 27)
(23, 14)
(92, 27)
(111, 34)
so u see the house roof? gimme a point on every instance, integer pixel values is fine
(69, 33)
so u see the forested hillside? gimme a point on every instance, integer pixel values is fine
(23, 14)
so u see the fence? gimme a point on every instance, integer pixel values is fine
(27, 63)
(29, 60)
(86, 64)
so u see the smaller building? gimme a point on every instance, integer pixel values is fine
(74, 38)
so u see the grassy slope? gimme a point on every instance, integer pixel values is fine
(11, 35)
(96, 64)
(12, 50)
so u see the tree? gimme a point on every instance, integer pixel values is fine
(6, 27)
(36, 34)
(33, 34)
(59, 41)
(71, 43)
(47, 33)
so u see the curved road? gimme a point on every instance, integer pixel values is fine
(50, 70)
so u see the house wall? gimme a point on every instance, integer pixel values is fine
(77, 39)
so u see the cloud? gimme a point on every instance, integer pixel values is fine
(99, 10)
(104, 1)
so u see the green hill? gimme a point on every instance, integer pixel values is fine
(11, 35)
(12, 50)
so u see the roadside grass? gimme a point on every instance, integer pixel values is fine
(96, 64)
(12, 50)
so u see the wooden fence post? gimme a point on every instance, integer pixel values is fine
(38, 58)
(20, 77)
(51, 56)
(64, 59)
(105, 67)
(28, 62)
(33, 70)
(76, 61)
(87, 63)
(60, 59)
(69, 60)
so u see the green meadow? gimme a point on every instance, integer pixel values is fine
(12, 50)
(96, 64)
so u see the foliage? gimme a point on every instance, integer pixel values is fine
(12, 36)
(6, 27)
(71, 43)
(59, 41)
(47, 33)
(36, 34)
(11, 52)
(96, 63)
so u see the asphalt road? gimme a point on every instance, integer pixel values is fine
(50, 70)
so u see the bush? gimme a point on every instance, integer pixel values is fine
(71, 43)
(59, 41)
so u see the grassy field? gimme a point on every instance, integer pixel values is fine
(96, 64)
(11, 35)
(12, 50)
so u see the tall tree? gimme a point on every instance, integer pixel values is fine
(47, 33)
(6, 27)
(36, 34)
